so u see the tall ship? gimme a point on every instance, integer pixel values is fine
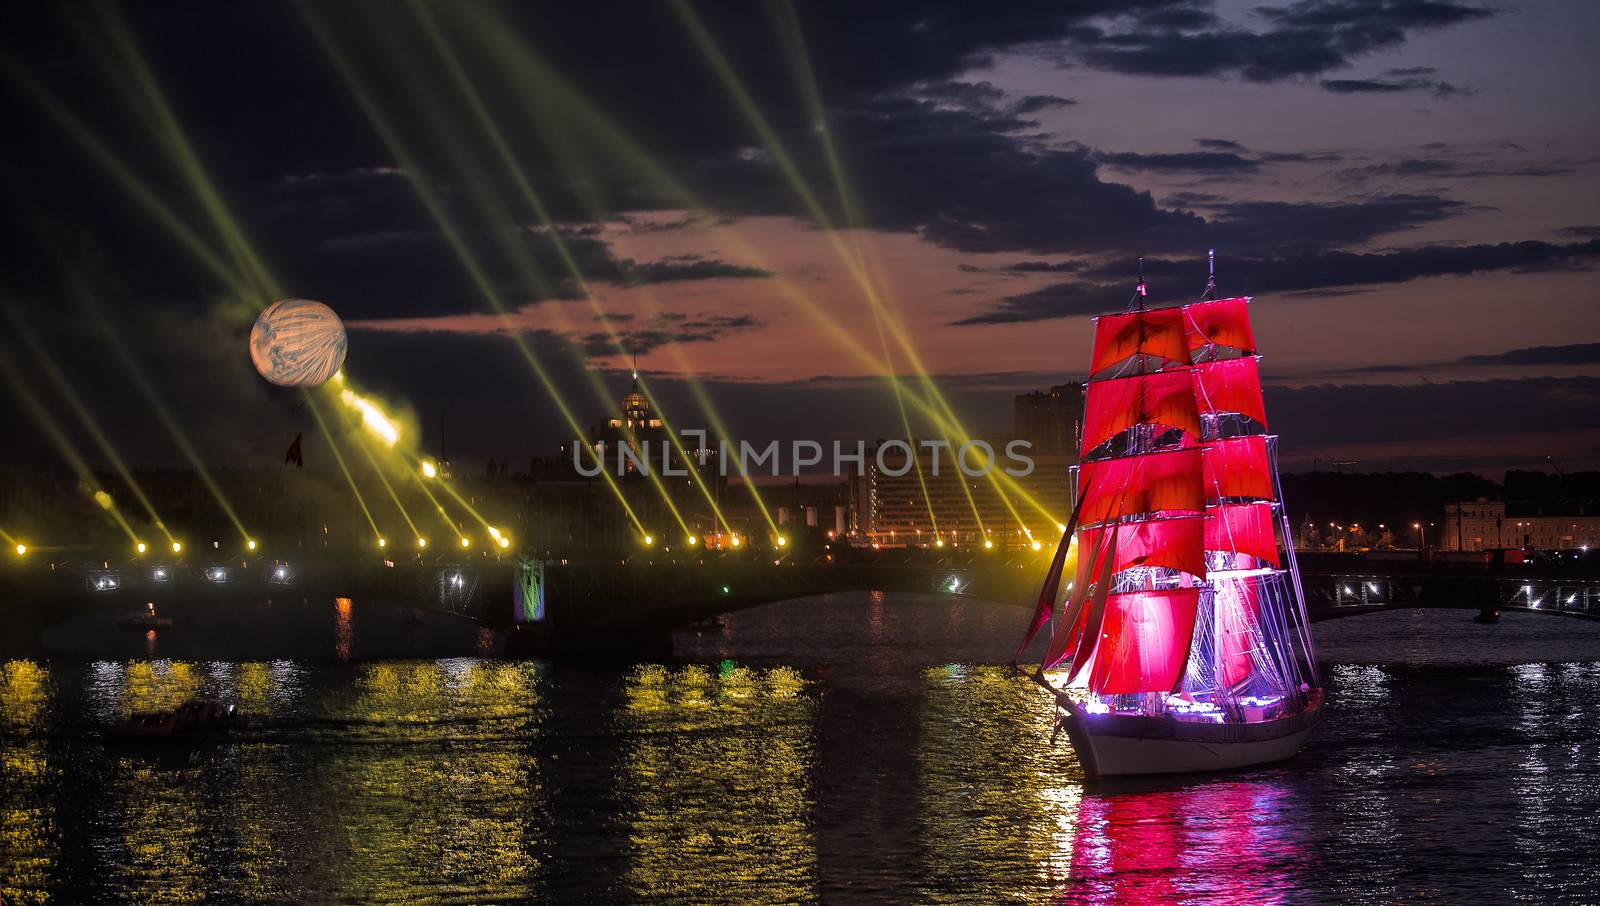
(1180, 642)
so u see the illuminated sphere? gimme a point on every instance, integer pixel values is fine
(297, 343)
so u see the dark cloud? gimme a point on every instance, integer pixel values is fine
(1042, 267)
(1106, 287)
(1438, 168)
(1305, 38)
(1036, 103)
(1188, 161)
(1575, 354)
(635, 274)
(1391, 86)
(1219, 144)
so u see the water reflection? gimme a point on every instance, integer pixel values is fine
(999, 803)
(716, 777)
(866, 775)
(29, 837)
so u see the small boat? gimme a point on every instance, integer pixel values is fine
(142, 620)
(1183, 644)
(192, 721)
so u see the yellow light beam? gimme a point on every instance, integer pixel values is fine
(584, 187)
(322, 423)
(743, 100)
(378, 470)
(524, 62)
(386, 132)
(142, 383)
(502, 226)
(41, 417)
(85, 418)
(509, 161)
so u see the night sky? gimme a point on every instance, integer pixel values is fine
(1411, 191)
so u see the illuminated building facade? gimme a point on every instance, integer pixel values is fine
(890, 509)
(1485, 524)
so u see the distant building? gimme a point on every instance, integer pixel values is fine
(1051, 420)
(912, 508)
(1485, 524)
(919, 508)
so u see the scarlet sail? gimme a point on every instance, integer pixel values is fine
(1159, 333)
(1237, 467)
(1230, 385)
(1173, 543)
(1164, 399)
(1220, 322)
(1149, 483)
(1242, 528)
(1145, 641)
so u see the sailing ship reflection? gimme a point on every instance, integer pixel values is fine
(1221, 843)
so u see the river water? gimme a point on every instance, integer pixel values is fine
(850, 748)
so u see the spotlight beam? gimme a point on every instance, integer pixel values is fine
(506, 230)
(64, 388)
(854, 264)
(522, 61)
(468, 260)
(509, 161)
(41, 417)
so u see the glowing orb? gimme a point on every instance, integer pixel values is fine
(297, 343)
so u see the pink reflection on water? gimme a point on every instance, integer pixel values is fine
(1217, 843)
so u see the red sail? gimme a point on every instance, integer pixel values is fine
(1147, 483)
(1144, 642)
(1164, 398)
(1235, 604)
(1230, 385)
(1244, 528)
(1159, 332)
(1237, 467)
(1079, 610)
(1223, 322)
(1173, 543)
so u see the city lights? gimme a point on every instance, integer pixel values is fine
(988, 543)
(649, 540)
(1037, 546)
(737, 541)
(692, 540)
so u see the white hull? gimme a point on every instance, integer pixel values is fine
(1171, 747)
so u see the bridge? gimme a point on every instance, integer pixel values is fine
(577, 605)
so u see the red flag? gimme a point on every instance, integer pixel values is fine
(293, 454)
